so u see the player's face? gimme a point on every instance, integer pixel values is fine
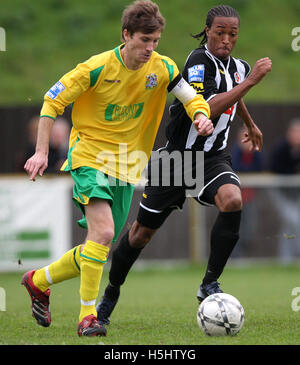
(139, 47)
(222, 36)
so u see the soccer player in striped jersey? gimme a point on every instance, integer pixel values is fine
(118, 98)
(223, 81)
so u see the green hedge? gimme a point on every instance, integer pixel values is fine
(47, 38)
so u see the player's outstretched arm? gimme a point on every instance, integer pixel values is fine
(260, 69)
(38, 163)
(194, 104)
(203, 125)
(221, 102)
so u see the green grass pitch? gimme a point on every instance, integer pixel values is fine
(158, 307)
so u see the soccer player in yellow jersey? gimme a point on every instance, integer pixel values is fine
(118, 99)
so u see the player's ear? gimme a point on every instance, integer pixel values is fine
(207, 29)
(126, 35)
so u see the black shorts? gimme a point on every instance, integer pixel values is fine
(159, 201)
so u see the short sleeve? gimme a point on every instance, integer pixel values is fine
(66, 90)
(171, 67)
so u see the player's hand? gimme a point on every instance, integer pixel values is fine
(255, 137)
(36, 164)
(260, 69)
(203, 125)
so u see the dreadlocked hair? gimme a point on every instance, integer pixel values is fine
(221, 10)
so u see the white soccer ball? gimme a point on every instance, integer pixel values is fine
(220, 315)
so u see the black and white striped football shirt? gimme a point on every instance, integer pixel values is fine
(209, 76)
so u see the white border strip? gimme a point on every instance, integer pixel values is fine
(211, 181)
(150, 210)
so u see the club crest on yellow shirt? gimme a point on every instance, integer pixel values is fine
(151, 81)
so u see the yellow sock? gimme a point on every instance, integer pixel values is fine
(92, 260)
(66, 267)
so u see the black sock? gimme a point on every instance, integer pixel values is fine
(224, 236)
(123, 258)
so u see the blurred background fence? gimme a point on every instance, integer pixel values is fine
(38, 223)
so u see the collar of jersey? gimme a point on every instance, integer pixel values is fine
(117, 51)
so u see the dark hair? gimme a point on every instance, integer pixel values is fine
(222, 11)
(142, 16)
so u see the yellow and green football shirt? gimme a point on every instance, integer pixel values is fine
(116, 112)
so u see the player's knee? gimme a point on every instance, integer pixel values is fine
(230, 201)
(232, 204)
(103, 235)
(140, 235)
(141, 238)
(108, 234)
